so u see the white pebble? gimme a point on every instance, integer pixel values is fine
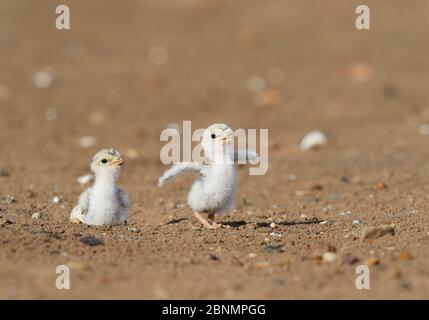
(276, 234)
(329, 257)
(35, 215)
(134, 229)
(56, 200)
(292, 178)
(256, 83)
(324, 222)
(252, 255)
(346, 213)
(43, 79)
(272, 225)
(87, 142)
(312, 140)
(357, 222)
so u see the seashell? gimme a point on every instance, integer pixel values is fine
(312, 140)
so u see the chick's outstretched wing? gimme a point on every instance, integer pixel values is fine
(178, 169)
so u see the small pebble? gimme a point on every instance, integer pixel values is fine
(317, 187)
(256, 83)
(56, 200)
(35, 215)
(4, 173)
(329, 257)
(324, 222)
(91, 241)
(312, 140)
(300, 193)
(357, 222)
(5, 222)
(372, 261)
(262, 265)
(345, 213)
(344, 179)
(276, 234)
(377, 232)
(252, 255)
(380, 186)
(269, 97)
(405, 256)
(134, 229)
(87, 142)
(79, 266)
(9, 199)
(292, 178)
(272, 225)
(43, 79)
(358, 72)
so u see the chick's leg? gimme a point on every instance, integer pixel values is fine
(212, 220)
(202, 220)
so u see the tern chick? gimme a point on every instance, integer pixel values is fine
(103, 203)
(213, 191)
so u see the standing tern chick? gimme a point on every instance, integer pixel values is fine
(213, 191)
(103, 203)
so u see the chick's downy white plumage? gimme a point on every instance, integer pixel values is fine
(103, 203)
(213, 191)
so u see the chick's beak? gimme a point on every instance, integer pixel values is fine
(117, 163)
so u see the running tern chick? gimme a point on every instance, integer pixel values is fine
(213, 191)
(103, 203)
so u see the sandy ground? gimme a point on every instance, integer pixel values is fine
(367, 90)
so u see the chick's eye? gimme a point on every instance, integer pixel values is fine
(213, 136)
(104, 160)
